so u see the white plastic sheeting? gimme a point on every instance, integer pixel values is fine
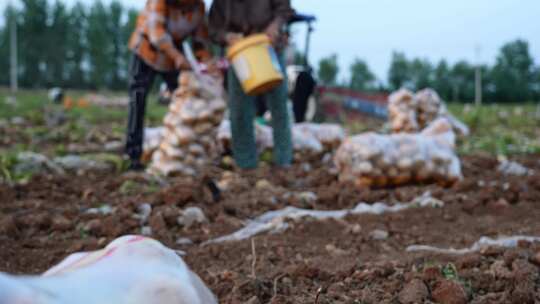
(513, 168)
(152, 138)
(276, 221)
(309, 138)
(130, 270)
(507, 242)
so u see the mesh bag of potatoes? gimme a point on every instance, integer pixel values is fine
(263, 137)
(411, 113)
(309, 140)
(377, 160)
(329, 135)
(191, 125)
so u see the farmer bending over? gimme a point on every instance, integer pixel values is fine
(229, 21)
(156, 44)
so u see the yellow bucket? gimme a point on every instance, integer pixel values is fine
(255, 63)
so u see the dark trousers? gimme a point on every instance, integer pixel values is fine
(305, 85)
(141, 78)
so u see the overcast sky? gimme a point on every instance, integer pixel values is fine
(450, 29)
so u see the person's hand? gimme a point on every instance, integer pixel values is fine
(181, 63)
(273, 32)
(232, 38)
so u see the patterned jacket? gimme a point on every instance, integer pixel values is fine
(161, 28)
(246, 17)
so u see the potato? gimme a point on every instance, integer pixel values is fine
(172, 152)
(346, 177)
(200, 162)
(207, 141)
(369, 152)
(183, 104)
(216, 119)
(364, 182)
(190, 160)
(187, 117)
(217, 106)
(171, 120)
(363, 168)
(167, 168)
(203, 128)
(376, 172)
(196, 150)
(405, 163)
(383, 162)
(392, 172)
(205, 116)
(424, 174)
(170, 137)
(185, 135)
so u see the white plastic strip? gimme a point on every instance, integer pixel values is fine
(276, 221)
(506, 242)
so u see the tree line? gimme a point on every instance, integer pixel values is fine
(85, 47)
(513, 78)
(74, 47)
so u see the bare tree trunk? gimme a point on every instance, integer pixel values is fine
(478, 86)
(13, 50)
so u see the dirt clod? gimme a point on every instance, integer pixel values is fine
(413, 292)
(536, 258)
(449, 292)
(61, 223)
(94, 227)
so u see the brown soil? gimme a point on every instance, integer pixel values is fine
(333, 261)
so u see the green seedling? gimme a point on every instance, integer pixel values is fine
(449, 272)
(119, 163)
(128, 187)
(266, 156)
(152, 188)
(8, 161)
(60, 150)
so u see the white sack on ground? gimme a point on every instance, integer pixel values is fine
(308, 138)
(276, 221)
(507, 167)
(305, 141)
(263, 136)
(330, 135)
(372, 159)
(506, 242)
(152, 138)
(130, 270)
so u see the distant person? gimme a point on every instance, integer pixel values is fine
(156, 46)
(229, 21)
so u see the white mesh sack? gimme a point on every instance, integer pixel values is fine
(130, 270)
(372, 159)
